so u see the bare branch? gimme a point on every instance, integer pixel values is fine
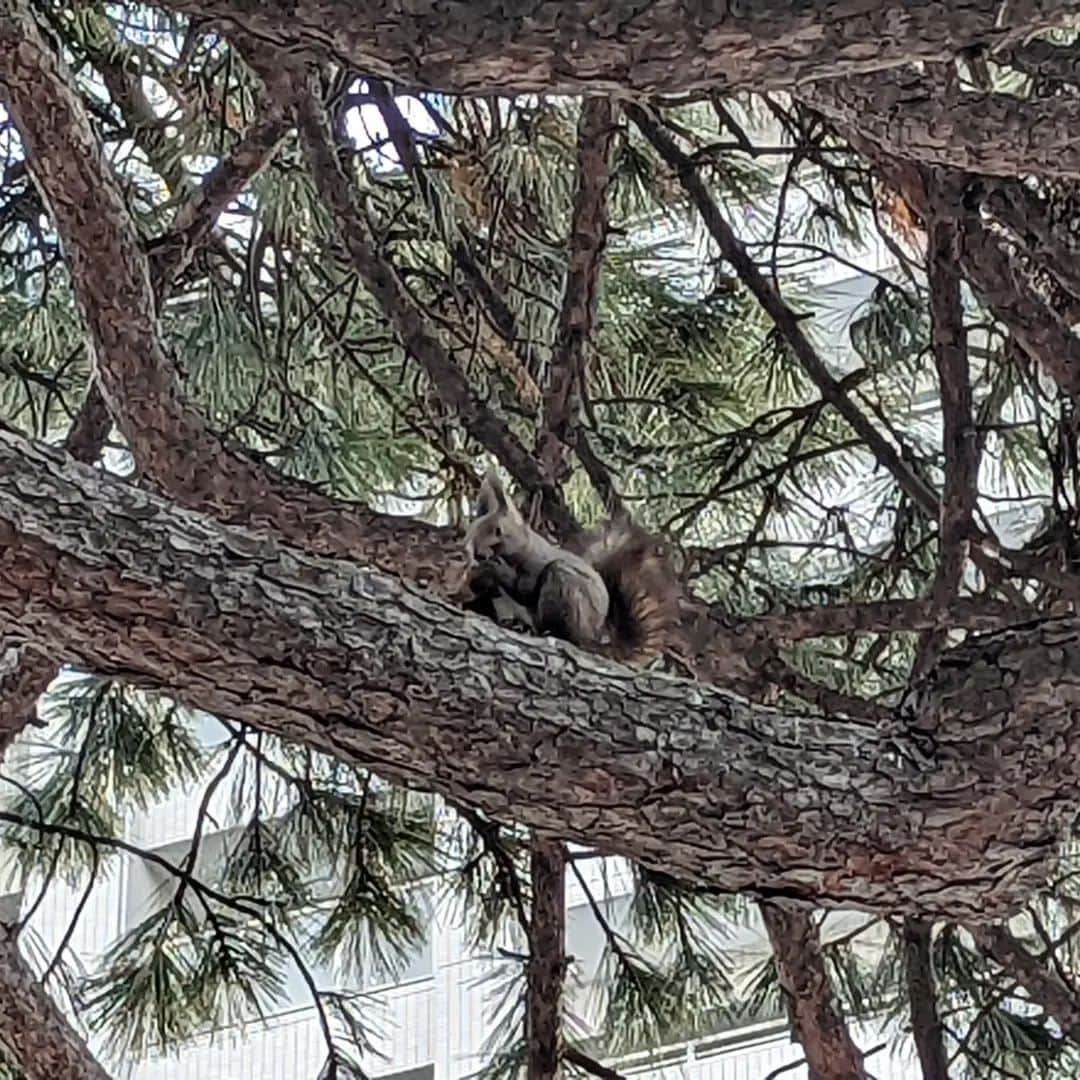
(580, 1060)
(1007, 292)
(887, 617)
(922, 999)
(450, 382)
(785, 319)
(588, 235)
(171, 253)
(959, 495)
(958, 438)
(1045, 987)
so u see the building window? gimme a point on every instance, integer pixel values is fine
(421, 1072)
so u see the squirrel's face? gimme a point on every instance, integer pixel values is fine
(496, 530)
(486, 537)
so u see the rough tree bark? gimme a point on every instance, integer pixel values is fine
(957, 811)
(1048, 237)
(988, 134)
(926, 1025)
(26, 674)
(547, 960)
(175, 449)
(556, 46)
(815, 1016)
(33, 1030)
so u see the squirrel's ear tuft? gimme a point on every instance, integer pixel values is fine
(492, 495)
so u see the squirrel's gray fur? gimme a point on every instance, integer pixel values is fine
(614, 593)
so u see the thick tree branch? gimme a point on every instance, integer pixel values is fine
(175, 450)
(815, 1016)
(547, 960)
(926, 1027)
(588, 235)
(171, 253)
(1008, 293)
(1052, 243)
(734, 252)
(958, 814)
(568, 46)
(985, 133)
(22, 683)
(170, 442)
(33, 1030)
(1046, 988)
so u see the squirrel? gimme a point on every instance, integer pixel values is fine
(615, 593)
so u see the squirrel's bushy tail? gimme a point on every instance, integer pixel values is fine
(642, 585)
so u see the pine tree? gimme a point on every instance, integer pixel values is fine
(369, 293)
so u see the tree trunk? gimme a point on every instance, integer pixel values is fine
(547, 960)
(922, 999)
(569, 46)
(33, 1030)
(955, 812)
(819, 1027)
